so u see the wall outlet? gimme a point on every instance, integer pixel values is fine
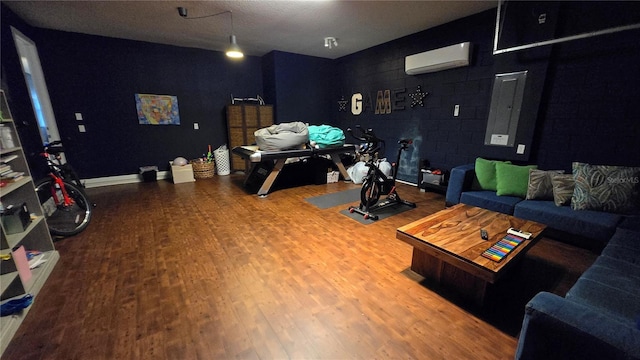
(78, 116)
(82, 129)
(520, 149)
(196, 126)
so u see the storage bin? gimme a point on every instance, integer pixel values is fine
(222, 161)
(181, 173)
(202, 169)
(434, 179)
(149, 173)
(332, 177)
(15, 219)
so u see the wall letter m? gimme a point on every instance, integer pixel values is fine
(383, 102)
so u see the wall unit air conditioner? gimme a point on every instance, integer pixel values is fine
(439, 59)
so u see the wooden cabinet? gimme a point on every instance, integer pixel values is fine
(16, 190)
(242, 121)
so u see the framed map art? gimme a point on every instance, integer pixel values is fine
(157, 109)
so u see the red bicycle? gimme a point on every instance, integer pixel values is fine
(66, 207)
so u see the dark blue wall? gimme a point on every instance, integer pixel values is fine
(99, 76)
(590, 110)
(299, 87)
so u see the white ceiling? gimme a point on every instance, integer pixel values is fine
(260, 26)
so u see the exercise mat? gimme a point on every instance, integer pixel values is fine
(382, 213)
(334, 199)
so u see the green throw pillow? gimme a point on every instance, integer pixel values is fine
(512, 180)
(486, 174)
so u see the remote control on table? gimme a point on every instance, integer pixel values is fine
(520, 233)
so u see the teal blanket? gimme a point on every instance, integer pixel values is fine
(326, 136)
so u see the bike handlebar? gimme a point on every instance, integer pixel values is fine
(54, 148)
(370, 137)
(365, 135)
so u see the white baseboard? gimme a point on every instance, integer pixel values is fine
(406, 182)
(120, 179)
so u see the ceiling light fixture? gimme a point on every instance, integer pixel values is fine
(233, 51)
(330, 42)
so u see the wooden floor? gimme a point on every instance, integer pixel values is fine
(205, 270)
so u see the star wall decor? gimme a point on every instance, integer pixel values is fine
(342, 104)
(417, 98)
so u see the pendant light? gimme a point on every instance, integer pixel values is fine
(233, 51)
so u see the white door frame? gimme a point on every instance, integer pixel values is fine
(34, 78)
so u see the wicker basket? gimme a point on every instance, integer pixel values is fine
(202, 170)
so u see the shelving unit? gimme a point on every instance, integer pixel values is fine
(34, 237)
(242, 121)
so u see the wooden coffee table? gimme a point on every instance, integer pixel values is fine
(447, 247)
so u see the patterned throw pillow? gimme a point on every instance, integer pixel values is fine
(540, 187)
(563, 187)
(606, 188)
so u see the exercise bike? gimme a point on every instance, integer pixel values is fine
(376, 183)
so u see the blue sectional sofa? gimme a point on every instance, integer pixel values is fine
(599, 318)
(595, 226)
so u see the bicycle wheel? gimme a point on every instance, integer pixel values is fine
(370, 193)
(63, 220)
